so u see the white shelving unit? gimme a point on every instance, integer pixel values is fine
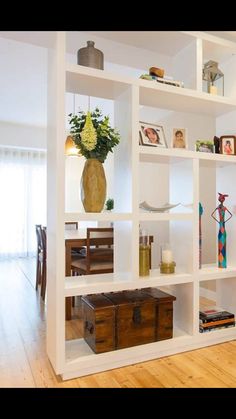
(183, 173)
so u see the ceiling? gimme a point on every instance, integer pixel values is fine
(229, 35)
(156, 41)
(23, 70)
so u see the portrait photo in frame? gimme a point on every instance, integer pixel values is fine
(152, 135)
(205, 146)
(228, 144)
(179, 138)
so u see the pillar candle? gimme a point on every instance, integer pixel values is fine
(213, 90)
(167, 256)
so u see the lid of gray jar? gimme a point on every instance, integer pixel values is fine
(90, 43)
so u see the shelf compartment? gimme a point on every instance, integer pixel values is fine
(211, 272)
(170, 231)
(90, 363)
(91, 284)
(215, 178)
(81, 360)
(221, 294)
(97, 216)
(100, 83)
(93, 82)
(180, 99)
(221, 335)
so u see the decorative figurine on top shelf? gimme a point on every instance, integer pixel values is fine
(222, 260)
(213, 78)
(200, 234)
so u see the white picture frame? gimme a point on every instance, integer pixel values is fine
(179, 138)
(152, 135)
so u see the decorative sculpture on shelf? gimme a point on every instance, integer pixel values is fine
(200, 234)
(222, 260)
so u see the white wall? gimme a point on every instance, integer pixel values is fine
(23, 83)
(19, 135)
(23, 87)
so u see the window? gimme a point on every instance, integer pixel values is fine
(23, 200)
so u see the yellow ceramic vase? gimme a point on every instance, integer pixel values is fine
(93, 186)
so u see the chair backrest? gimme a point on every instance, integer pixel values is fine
(99, 245)
(38, 229)
(71, 225)
(44, 240)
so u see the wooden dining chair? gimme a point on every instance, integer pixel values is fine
(44, 263)
(98, 255)
(39, 255)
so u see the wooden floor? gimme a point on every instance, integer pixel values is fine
(24, 363)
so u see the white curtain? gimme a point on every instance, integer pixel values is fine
(22, 200)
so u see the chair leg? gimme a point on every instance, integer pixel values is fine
(73, 301)
(68, 308)
(38, 274)
(44, 281)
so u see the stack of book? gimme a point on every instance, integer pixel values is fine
(214, 319)
(165, 80)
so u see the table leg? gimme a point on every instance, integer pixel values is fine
(68, 301)
(68, 308)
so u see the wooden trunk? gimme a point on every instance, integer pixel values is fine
(99, 322)
(135, 318)
(164, 312)
(123, 319)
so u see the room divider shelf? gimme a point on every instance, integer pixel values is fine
(152, 174)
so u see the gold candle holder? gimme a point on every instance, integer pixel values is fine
(167, 268)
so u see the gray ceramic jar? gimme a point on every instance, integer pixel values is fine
(90, 56)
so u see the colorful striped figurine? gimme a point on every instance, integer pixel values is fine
(222, 260)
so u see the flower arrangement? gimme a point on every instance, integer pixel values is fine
(93, 134)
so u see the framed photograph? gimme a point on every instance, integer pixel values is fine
(152, 135)
(205, 146)
(228, 144)
(179, 138)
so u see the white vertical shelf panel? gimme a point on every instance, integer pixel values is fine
(195, 245)
(199, 64)
(123, 232)
(135, 180)
(55, 204)
(196, 201)
(122, 153)
(208, 198)
(181, 232)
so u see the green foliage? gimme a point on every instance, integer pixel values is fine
(109, 204)
(107, 137)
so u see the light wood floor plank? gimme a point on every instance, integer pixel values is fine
(24, 363)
